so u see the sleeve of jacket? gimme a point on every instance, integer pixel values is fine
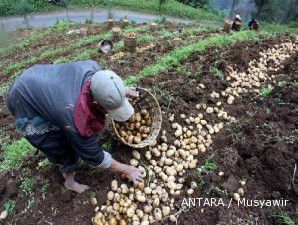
(90, 150)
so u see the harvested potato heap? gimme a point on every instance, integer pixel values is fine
(258, 71)
(118, 55)
(137, 128)
(164, 175)
(153, 27)
(125, 23)
(110, 23)
(116, 33)
(145, 48)
(130, 41)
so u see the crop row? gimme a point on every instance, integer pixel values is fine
(92, 52)
(175, 57)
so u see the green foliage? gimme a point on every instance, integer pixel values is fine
(118, 45)
(278, 28)
(44, 163)
(208, 167)
(24, 7)
(27, 186)
(295, 84)
(271, 10)
(44, 188)
(102, 63)
(196, 3)
(166, 33)
(9, 206)
(170, 7)
(51, 53)
(265, 92)
(216, 72)
(145, 37)
(163, 95)
(4, 89)
(108, 145)
(14, 154)
(6, 7)
(182, 71)
(283, 218)
(60, 25)
(34, 37)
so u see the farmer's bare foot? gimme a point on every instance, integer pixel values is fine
(72, 185)
(75, 186)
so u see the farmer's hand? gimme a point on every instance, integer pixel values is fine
(131, 92)
(133, 174)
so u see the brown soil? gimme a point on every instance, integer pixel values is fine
(57, 40)
(263, 155)
(133, 62)
(49, 42)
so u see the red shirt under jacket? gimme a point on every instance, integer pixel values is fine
(85, 120)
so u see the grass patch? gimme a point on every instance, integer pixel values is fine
(34, 37)
(171, 7)
(278, 28)
(14, 154)
(50, 53)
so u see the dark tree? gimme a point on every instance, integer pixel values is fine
(232, 11)
(24, 8)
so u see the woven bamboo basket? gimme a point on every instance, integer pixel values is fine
(130, 44)
(110, 24)
(227, 26)
(149, 102)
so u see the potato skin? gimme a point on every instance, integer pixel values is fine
(137, 128)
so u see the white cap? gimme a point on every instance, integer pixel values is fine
(108, 89)
(237, 17)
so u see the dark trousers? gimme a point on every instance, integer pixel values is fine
(56, 148)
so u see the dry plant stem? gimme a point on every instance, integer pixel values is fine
(295, 170)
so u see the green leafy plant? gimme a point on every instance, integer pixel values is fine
(208, 167)
(216, 72)
(265, 92)
(283, 218)
(27, 186)
(10, 205)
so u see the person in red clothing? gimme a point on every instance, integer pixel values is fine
(60, 109)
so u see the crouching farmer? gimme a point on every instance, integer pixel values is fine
(60, 108)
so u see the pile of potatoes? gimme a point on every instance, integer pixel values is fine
(140, 204)
(137, 128)
(168, 161)
(130, 35)
(257, 73)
